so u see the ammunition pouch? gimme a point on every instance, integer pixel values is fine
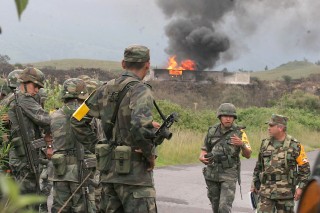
(103, 156)
(122, 156)
(226, 161)
(18, 146)
(59, 162)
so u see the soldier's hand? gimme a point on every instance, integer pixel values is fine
(236, 141)
(5, 118)
(156, 124)
(297, 194)
(202, 158)
(254, 189)
(152, 162)
(49, 152)
(47, 137)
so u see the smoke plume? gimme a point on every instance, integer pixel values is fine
(211, 31)
(191, 32)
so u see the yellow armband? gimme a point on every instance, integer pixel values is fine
(81, 112)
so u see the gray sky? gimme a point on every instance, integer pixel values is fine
(260, 34)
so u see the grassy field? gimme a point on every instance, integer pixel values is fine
(66, 64)
(295, 69)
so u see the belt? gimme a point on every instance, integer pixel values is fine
(67, 152)
(276, 177)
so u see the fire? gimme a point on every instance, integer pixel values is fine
(175, 69)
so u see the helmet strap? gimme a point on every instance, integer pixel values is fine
(25, 88)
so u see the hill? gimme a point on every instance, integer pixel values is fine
(66, 64)
(294, 69)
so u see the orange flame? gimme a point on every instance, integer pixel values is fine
(175, 69)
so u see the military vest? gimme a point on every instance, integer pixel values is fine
(225, 162)
(279, 168)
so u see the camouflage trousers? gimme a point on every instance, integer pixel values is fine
(267, 205)
(62, 190)
(121, 198)
(45, 187)
(221, 195)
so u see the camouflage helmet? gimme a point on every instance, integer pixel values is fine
(84, 77)
(13, 78)
(74, 88)
(92, 85)
(32, 74)
(227, 109)
(4, 88)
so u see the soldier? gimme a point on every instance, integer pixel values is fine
(220, 152)
(282, 169)
(126, 163)
(66, 165)
(33, 117)
(4, 88)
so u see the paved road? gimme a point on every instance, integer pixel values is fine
(181, 189)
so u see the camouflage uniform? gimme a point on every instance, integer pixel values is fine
(96, 125)
(276, 173)
(34, 118)
(66, 168)
(223, 171)
(133, 190)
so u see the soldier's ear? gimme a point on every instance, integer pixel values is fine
(123, 64)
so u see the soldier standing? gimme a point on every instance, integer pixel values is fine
(33, 117)
(282, 169)
(126, 162)
(220, 152)
(66, 165)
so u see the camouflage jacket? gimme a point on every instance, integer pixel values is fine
(217, 142)
(34, 118)
(276, 169)
(133, 123)
(64, 141)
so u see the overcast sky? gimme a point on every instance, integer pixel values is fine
(259, 34)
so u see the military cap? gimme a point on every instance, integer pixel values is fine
(74, 88)
(277, 119)
(136, 53)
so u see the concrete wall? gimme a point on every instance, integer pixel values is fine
(200, 76)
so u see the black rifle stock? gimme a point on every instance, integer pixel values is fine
(163, 131)
(31, 152)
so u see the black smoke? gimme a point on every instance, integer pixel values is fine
(191, 31)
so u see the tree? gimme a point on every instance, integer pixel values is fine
(5, 66)
(266, 68)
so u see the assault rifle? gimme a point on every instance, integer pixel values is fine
(163, 131)
(31, 152)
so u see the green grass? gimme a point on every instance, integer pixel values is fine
(295, 69)
(66, 64)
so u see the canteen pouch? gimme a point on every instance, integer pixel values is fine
(18, 146)
(59, 162)
(104, 156)
(122, 155)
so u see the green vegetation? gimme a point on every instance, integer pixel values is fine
(66, 64)
(11, 199)
(295, 70)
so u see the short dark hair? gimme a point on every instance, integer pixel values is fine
(134, 65)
